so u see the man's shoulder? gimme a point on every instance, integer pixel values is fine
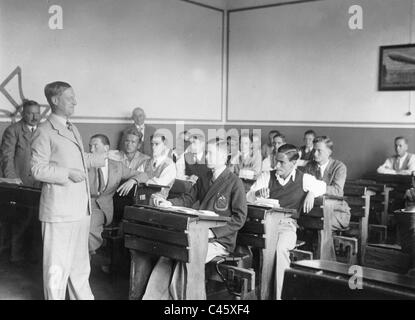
(338, 164)
(15, 127)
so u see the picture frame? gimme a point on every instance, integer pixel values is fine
(397, 67)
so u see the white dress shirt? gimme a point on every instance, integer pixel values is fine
(310, 184)
(33, 128)
(167, 176)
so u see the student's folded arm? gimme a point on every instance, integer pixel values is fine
(316, 187)
(167, 176)
(95, 160)
(261, 182)
(336, 187)
(41, 168)
(239, 212)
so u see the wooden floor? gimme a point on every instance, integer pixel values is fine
(24, 282)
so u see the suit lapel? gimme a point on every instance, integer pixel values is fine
(327, 172)
(216, 186)
(62, 130)
(112, 174)
(27, 134)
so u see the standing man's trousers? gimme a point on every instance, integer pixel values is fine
(66, 260)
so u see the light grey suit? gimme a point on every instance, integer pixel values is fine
(64, 209)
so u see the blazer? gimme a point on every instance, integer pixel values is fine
(334, 175)
(15, 153)
(117, 172)
(146, 144)
(55, 149)
(226, 197)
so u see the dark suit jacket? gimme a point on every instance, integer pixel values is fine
(148, 132)
(117, 172)
(15, 153)
(334, 175)
(226, 197)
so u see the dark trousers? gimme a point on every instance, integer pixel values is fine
(406, 229)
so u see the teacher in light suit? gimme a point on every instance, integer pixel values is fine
(59, 161)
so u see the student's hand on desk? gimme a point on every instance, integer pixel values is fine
(308, 202)
(161, 202)
(125, 188)
(410, 194)
(76, 175)
(263, 193)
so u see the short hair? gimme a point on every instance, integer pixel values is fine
(310, 132)
(28, 103)
(104, 139)
(134, 132)
(401, 138)
(55, 88)
(158, 135)
(290, 151)
(138, 109)
(327, 141)
(279, 135)
(273, 132)
(246, 135)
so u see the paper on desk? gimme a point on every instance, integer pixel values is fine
(265, 202)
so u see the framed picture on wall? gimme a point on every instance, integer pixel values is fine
(397, 67)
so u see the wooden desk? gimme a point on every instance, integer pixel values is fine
(259, 232)
(316, 279)
(174, 235)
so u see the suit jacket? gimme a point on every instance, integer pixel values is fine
(55, 149)
(146, 145)
(226, 197)
(334, 175)
(117, 172)
(15, 153)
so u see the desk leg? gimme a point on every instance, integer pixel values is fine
(198, 240)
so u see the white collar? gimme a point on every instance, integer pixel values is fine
(30, 127)
(403, 157)
(282, 181)
(140, 127)
(160, 159)
(218, 172)
(60, 119)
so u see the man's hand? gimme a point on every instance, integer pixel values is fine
(308, 202)
(76, 175)
(125, 188)
(161, 202)
(263, 193)
(193, 178)
(410, 194)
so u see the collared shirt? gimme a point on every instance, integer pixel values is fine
(105, 171)
(167, 175)
(310, 184)
(141, 129)
(31, 128)
(181, 164)
(323, 168)
(218, 172)
(61, 119)
(388, 166)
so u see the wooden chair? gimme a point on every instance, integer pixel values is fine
(174, 235)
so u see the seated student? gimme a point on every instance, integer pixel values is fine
(333, 173)
(218, 190)
(307, 151)
(267, 148)
(160, 168)
(104, 182)
(277, 141)
(192, 164)
(130, 155)
(402, 162)
(294, 190)
(248, 164)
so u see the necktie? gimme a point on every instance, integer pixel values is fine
(194, 158)
(69, 126)
(319, 176)
(101, 181)
(396, 164)
(33, 129)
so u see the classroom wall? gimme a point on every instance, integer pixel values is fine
(302, 63)
(163, 55)
(362, 124)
